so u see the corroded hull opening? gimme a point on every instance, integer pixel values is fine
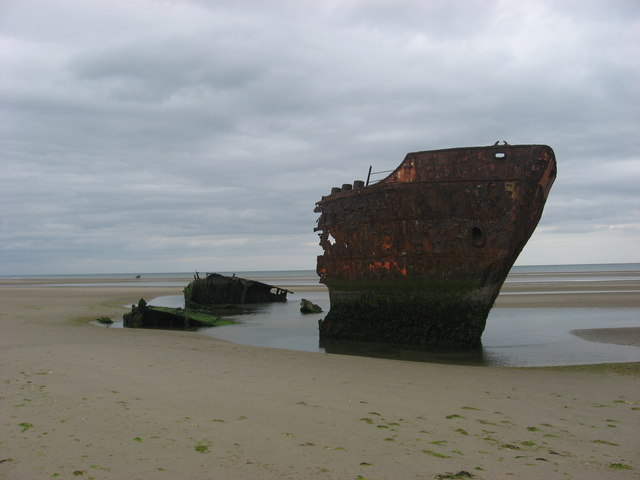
(420, 256)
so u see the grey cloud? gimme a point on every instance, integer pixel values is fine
(152, 71)
(133, 130)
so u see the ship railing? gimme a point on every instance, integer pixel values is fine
(370, 181)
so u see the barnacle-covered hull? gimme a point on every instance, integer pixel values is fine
(420, 256)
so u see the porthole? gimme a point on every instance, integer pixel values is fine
(477, 237)
(501, 155)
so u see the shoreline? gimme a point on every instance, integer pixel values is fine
(149, 404)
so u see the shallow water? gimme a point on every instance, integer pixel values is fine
(513, 336)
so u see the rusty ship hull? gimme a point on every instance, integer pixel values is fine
(420, 256)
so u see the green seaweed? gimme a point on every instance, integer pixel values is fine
(25, 426)
(604, 442)
(486, 422)
(97, 467)
(202, 446)
(435, 454)
(455, 476)
(510, 446)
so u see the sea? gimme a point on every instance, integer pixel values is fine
(514, 337)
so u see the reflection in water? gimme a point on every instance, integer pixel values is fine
(474, 356)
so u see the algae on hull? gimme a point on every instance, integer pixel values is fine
(148, 316)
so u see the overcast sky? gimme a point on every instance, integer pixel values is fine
(157, 136)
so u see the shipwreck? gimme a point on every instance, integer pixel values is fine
(204, 299)
(419, 257)
(217, 289)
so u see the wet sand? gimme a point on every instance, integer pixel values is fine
(619, 336)
(79, 401)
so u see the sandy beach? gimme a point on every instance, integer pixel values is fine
(80, 401)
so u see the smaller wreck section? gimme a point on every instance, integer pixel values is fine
(206, 301)
(216, 289)
(147, 316)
